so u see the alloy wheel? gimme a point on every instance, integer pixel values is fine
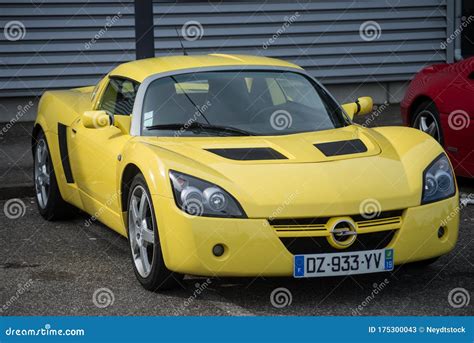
(141, 231)
(427, 122)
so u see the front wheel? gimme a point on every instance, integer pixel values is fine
(145, 246)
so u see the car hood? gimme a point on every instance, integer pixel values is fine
(308, 181)
(283, 149)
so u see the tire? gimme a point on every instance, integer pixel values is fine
(426, 118)
(145, 248)
(50, 203)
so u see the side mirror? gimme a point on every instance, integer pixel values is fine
(362, 106)
(96, 119)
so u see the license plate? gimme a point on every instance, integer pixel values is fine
(344, 263)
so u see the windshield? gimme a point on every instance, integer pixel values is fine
(238, 103)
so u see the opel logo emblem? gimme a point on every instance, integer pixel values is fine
(342, 232)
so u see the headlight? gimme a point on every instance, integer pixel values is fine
(438, 181)
(201, 198)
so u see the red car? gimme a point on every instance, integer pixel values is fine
(440, 102)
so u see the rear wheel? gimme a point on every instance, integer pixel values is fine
(145, 246)
(427, 119)
(48, 198)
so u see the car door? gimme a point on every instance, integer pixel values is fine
(97, 150)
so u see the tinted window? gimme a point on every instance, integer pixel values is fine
(264, 103)
(119, 96)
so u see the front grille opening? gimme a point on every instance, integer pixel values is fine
(320, 245)
(317, 221)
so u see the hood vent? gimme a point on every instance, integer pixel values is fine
(249, 154)
(353, 146)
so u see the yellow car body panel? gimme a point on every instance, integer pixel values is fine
(254, 248)
(140, 70)
(308, 184)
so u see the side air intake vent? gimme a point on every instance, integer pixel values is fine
(353, 146)
(249, 154)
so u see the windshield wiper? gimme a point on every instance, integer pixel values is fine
(195, 126)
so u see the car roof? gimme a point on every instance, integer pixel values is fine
(141, 69)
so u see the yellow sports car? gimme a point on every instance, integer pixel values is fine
(230, 165)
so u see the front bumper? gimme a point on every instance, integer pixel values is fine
(254, 248)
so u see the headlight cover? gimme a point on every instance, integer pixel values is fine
(438, 181)
(201, 198)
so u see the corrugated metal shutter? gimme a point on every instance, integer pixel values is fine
(324, 38)
(53, 52)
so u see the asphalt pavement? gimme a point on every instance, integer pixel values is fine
(71, 268)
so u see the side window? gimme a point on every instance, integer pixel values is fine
(119, 96)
